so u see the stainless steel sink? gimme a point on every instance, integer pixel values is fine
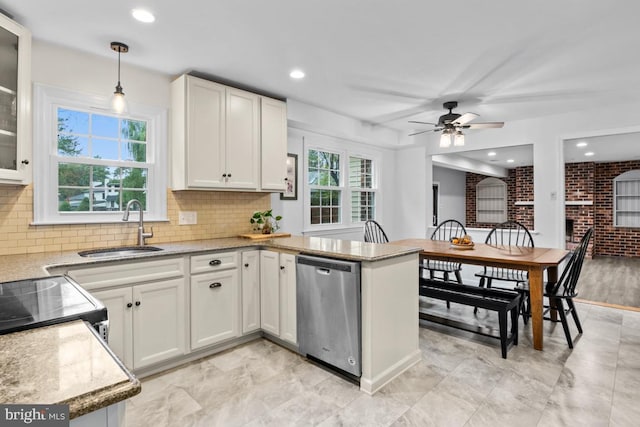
(118, 252)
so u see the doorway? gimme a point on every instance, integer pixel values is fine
(436, 203)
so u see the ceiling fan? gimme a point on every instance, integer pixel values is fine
(451, 125)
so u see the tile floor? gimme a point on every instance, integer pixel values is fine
(460, 381)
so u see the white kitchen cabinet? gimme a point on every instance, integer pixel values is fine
(146, 306)
(288, 306)
(214, 307)
(270, 292)
(273, 131)
(278, 294)
(15, 103)
(250, 291)
(215, 136)
(119, 303)
(158, 322)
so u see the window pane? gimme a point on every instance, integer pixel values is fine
(326, 215)
(315, 198)
(133, 194)
(362, 205)
(324, 168)
(134, 151)
(323, 178)
(73, 146)
(73, 199)
(326, 198)
(134, 178)
(104, 149)
(134, 130)
(70, 174)
(335, 198)
(334, 176)
(360, 173)
(73, 121)
(315, 215)
(104, 126)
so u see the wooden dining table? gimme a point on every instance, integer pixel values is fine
(534, 260)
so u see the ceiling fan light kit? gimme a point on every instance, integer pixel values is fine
(451, 125)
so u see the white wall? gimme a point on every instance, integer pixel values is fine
(323, 128)
(452, 193)
(413, 175)
(97, 75)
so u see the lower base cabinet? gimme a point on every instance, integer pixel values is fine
(278, 295)
(146, 322)
(215, 302)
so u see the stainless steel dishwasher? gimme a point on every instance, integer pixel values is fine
(328, 298)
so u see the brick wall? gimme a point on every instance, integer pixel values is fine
(610, 240)
(220, 214)
(519, 188)
(580, 186)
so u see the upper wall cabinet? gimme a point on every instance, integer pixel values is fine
(223, 137)
(15, 103)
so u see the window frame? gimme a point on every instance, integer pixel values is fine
(373, 189)
(492, 182)
(45, 202)
(345, 151)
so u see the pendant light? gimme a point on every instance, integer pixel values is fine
(118, 103)
(445, 138)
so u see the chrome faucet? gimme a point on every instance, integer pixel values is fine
(141, 234)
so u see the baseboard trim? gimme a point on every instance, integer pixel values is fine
(609, 305)
(371, 386)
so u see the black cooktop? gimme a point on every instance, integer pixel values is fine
(31, 303)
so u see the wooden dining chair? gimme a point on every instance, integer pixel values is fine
(446, 231)
(511, 234)
(374, 233)
(565, 289)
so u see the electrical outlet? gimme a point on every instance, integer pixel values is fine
(187, 218)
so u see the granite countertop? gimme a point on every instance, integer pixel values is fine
(17, 267)
(62, 364)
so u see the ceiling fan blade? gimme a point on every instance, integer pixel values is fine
(418, 133)
(423, 123)
(465, 118)
(487, 125)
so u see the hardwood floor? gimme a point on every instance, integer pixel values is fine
(611, 280)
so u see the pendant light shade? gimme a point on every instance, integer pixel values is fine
(118, 102)
(445, 138)
(458, 139)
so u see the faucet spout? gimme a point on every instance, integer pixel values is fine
(141, 233)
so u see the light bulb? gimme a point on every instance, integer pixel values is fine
(445, 138)
(118, 103)
(458, 139)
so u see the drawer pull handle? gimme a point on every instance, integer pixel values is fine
(215, 262)
(129, 305)
(282, 267)
(137, 303)
(215, 285)
(246, 265)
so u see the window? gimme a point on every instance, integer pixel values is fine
(93, 162)
(325, 187)
(363, 195)
(491, 201)
(626, 199)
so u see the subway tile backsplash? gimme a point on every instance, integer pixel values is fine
(220, 214)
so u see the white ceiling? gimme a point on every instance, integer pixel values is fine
(379, 61)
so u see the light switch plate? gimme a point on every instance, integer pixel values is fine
(187, 218)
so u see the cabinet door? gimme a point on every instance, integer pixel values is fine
(242, 139)
(273, 134)
(158, 322)
(15, 103)
(205, 133)
(250, 291)
(288, 306)
(214, 307)
(119, 303)
(270, 292)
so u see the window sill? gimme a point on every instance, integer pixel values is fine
(99, 221)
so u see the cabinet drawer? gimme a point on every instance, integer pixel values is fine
(213, 262)
(126, 273)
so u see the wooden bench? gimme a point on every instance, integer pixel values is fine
(491, 299)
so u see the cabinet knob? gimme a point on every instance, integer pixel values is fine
(137, 303)
(229, 175)
(224, 175)
(286, 179)
(129, 305)
(25, 162)
(282, 267)
(215, 285)
(215, 262)
(246, 265)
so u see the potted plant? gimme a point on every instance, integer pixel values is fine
(265, 222)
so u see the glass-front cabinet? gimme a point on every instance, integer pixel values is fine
(15, 103)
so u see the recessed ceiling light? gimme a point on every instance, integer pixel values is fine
(491, 153)
(143, 15)
(296, 74)
(510, 161)
(581, 144)
(589, 153)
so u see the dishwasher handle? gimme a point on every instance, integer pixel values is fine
(323, 271)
